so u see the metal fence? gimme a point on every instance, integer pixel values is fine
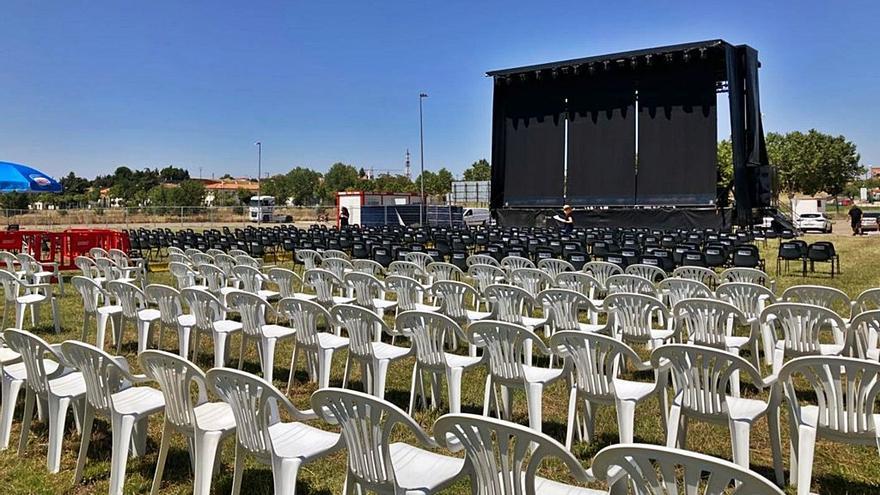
(470, 193)
(133, 217)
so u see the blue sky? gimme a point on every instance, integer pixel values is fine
(91, 85)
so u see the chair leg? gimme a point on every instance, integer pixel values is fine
(673, 426)
(740, 432)
(572, 413)
(160, 463)
(380, 372)
(487, 395)
(122, 428)
(239, 469)
(10, 390)
(88, 422)
(221, 346)
(55, 317)
(284, 472)
(453, 384)
(143, 335)
(206, 447)
(534, 397)
(183, 338)
(293, 368)
(325, 361)
(412, 389)
(626, 413)
(27, 417)
(268, 357)
(57, 418)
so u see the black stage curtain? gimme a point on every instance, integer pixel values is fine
(601, 141)
(677, 161)
(659, 218)
(534, 143)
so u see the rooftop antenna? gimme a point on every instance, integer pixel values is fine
(408, 173)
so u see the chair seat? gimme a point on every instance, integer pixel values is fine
(214, 416)
(381, 350)
(589, 327)
(138, 401)
(149, 314)
(661, 334)
(740, 408)
(384, 304)
(426, 307)
(631, 390)
(69, 385)
(299, 440)
(549, 487)
(276, 331)
(477, 315)
(459, 361)
(331, 341)
(530, 322)
(537, 374)
(186, 320)
(30, 298)
(109, 310)
(8, 356)
(227, 326)
(304, 296)
(268, 294)
(420, 470)
(810, 416)
(17, 371)
(342, 300)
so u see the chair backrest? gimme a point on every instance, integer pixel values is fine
(482, 259)
(33, 351)
(698, 273)
(749, 298)
(225, 262)
(310, 258)
(867, 301)
(864, 332)
(846, 393)
(439, 270)
(28, 263)
(108, 268)
(594, 361)
(406, 269)
(335, 253)
(456, 298)
(338, 266)
(819, 295)
(650, 272)
(633, 315)
(706, 322)
(287, 281)
(168, 300)
(374, 268)
(205, 307)
(564, 307)
(129, 296)
(87, 266)
(485, 275)
(580, 282)
(324, 282)
(429, 333)
(97, 252)
(362, 325)
(509, 302)
(504, 457)
(247, 260)
(251, 278)
(630, 283)
(532, 280)
(801, 325)
(184, 275)
(251, 308)
(87, 288)
(701, 376)
(656, 470)
(677, 289)
(409, 291)
(200, 259)
(553, 267)
(214, 276)
(601, 270)
(511, 263)
(11, 285)
(504, 343)
(746, 275)
(419, 258)
(304, 317)
(9, 260)
(104, 374)
(177, 379)
(254, 403)
(366, 423)
(366, 287)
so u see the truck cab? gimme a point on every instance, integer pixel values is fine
(261, 209)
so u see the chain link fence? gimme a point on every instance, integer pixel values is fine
(148, 216)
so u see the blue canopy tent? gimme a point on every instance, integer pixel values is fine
(21, 178)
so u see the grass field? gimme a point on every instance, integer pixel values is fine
(838, 469)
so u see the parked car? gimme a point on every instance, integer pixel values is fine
(813, 221)
(869, 220)
(477, 216)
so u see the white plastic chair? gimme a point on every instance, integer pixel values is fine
(226, 263)
(58, 386)
(215, 279)
(563, 308)
(458, 301)
(819, 295)
(675, 289)
(700, 381)
(12, 376)
(751, 299)
(205, 424)
(134, 306)
(171, 314)
(23, 295)
(797, 330)
(262, 435)
(485, 275)
(650, 272)
(532, 280)
(289, 284)
(92, 295)
(325, 285)
(429, 333)
(748, 276)
(601, 270)
(410, 294)
(864, 333)
(244, 259)
(510, 366)
(630, 283)
(868, 300)
(503, 457)
(632, 318)
(89, 269)
(698, 273)
(367, 291)
(374, 268)
(594, 365)
(127, 265)
(36, 272)
(252, 309)
(711, 323)
(109, 393)
(184, 275)
(337, 254)
(252, 281)
(365, 331)
(111, 271)
(318, 346)
(310, 258)
(481, 259)
(439, 271)
(419, 258)
(512, 263)
(553, 267)
(208, 317)
(408, 269)
(586, 285)
(656, 470)
(337, 266)
(375, 463)
(846, 393)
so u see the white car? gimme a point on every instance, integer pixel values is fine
(477, 216)
(813, 221)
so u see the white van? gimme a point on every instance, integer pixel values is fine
(477, 216)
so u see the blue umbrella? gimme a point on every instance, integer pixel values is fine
(21, 178)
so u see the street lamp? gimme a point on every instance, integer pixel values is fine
(422, 96)
(259, 189)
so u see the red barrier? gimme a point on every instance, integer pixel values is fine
(62, 247)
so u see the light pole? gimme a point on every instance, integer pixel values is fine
(259, 189)
(422, 96)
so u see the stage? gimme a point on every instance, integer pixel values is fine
(667, 218)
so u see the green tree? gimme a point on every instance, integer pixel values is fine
(173, 174)
(479, 170)
(303, 183)
(725, 171)
(340, 177)
(74, 185)
(392, 184)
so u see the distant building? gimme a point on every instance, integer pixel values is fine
(225, 191)
(875, 172)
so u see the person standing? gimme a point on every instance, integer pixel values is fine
(565, 221)
(343, 217)
(855, 219)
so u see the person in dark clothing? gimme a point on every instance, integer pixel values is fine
(566, 223)
(343, 217)
(855, 218)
